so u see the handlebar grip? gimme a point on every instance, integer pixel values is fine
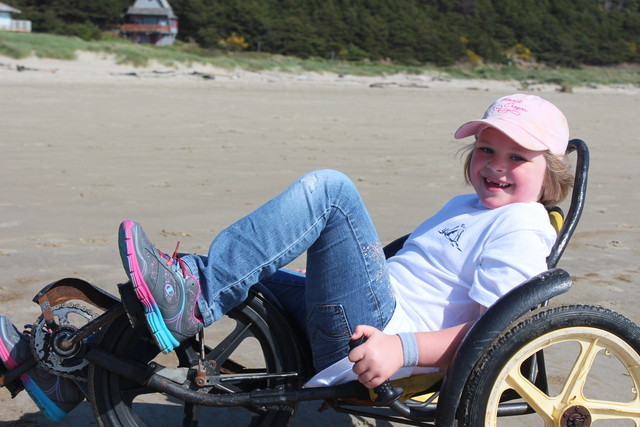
(387, 394)
(355, 343)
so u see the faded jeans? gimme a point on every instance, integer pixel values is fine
(346, 284)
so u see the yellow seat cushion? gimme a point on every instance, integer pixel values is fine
(556, 218)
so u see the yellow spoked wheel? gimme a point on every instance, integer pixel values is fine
(590, 375)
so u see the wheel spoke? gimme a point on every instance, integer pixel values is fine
(605, 410)
(226, 347)
(536, 398)
(190, 414)
(577, 378)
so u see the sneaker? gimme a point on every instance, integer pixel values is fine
(55, 396)
(165, 286)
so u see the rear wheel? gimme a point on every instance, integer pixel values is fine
(592, 363)
(251, 340)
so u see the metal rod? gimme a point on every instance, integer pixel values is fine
(82, 333)
(144, 375)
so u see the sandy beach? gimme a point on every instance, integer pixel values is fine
(185, 151)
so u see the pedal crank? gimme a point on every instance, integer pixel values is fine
(59, 336)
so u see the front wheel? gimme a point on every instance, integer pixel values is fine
(249, 344)
(590, 374)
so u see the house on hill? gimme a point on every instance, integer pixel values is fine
(150, 22)
(7, 23)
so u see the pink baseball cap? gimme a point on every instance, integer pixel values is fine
(529, 120)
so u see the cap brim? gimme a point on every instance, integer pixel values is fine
(516, 133)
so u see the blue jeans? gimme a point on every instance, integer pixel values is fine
(347, 283)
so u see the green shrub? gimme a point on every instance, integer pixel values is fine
(86, 31)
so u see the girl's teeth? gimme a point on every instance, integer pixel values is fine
(498, 184)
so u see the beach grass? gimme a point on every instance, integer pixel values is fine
(22, 45)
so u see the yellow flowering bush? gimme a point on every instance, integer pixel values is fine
(234, 42)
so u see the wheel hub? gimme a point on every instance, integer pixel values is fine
(58, 338)
(576, 416)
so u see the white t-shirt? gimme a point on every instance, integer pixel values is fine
(463, 258)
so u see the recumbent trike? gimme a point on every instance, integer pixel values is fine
(257, 362)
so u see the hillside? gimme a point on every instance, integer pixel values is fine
(22, 46)
(566, 33)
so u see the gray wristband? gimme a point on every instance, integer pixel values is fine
(409, 349)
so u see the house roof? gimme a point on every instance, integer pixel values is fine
(151, 7)
(6, 8)
(148, 11)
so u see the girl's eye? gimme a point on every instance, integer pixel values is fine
(518, 158)
(485, 150)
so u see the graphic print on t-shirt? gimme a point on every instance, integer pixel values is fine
(453, 234)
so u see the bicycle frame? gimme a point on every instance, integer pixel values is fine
(153, 376)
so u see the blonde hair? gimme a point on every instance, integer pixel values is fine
(558, 178)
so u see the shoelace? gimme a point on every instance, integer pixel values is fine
(175, 260)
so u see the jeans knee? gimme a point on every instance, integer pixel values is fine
(333, 181)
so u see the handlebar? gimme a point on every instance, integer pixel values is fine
(387, 394)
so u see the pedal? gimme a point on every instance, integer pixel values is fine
(132, 305)
(14, 387)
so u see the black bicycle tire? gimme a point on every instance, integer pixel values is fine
(275, 336)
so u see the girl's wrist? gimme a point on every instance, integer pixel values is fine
(410, 354)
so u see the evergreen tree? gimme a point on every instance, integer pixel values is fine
(443, 32)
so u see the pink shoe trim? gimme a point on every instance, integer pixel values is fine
(6, 357)
(142, 290)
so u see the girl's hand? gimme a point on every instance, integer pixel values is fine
(378, 358)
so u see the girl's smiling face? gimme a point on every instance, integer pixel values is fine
(502, 172)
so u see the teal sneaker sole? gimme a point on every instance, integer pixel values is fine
(50, 409)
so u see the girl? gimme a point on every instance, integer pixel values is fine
(415, 307)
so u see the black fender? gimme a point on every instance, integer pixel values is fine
(495, 320)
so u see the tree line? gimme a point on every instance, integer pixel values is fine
(441, 32)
